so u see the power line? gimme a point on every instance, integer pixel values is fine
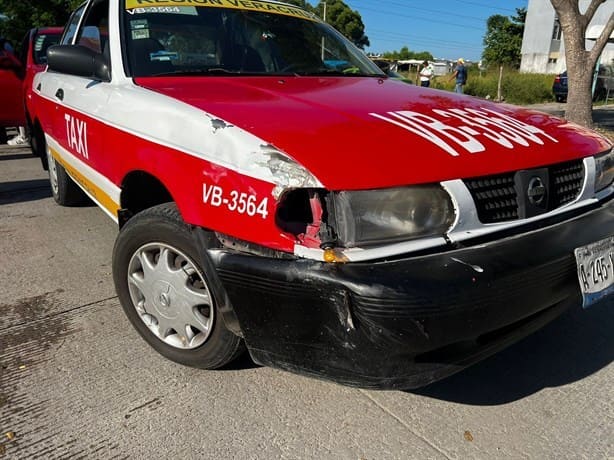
(485, 5)
(418, 18)
(410, 7)
(412, 39)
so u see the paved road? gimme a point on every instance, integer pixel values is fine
(77, 382)
(603, 115)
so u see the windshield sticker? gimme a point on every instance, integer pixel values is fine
(248, 5)
(458, 130)
(139, 24)
(187, 10)
(164, 56)
(140, 34)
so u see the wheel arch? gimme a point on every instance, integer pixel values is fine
(141, 190)
(37, 141)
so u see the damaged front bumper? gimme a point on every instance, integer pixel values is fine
(406, 322)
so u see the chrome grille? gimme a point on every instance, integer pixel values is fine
(566, 180)
(496, 197)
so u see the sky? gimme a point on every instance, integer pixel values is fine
(448, 29)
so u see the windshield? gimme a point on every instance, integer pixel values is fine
(219, 37)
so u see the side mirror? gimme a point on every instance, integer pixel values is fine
(78, 60)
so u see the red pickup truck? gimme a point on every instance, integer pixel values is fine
(17, 73)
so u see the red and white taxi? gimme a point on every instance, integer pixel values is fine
(275, 189)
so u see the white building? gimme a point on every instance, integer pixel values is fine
(543, 50)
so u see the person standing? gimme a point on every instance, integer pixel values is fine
(426, 73)
(460, 75)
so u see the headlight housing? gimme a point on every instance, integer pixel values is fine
(284, 171)
(604, 170)
(374, 217)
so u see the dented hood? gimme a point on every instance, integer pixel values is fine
(360, 133)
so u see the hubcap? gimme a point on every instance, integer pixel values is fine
(170, 295)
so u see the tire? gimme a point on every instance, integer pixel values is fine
(38, 145)
(64, 190)
(3, 136)
(165, 293)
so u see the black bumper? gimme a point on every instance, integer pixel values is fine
(407, 322)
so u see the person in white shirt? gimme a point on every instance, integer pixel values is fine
(426, 73)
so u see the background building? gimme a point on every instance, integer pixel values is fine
(543, 50)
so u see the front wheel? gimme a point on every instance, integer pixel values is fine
(165, 292)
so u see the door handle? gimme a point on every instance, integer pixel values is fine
(60, 94)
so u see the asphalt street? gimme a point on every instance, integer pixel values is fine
(76, 381)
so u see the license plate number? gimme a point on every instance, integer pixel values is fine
(595, 264)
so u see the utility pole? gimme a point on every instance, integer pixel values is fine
(323, 44)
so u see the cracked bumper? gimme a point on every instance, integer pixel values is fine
(407, 322)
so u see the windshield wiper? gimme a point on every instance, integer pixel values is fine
(326, 71)
(203, 71)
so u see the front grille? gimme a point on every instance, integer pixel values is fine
(566, 180)
(496, 197)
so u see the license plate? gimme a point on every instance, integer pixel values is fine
(596, 270)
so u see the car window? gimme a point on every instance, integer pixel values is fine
(40, 45)
(71, 27)
(212, 40)
(94, 32)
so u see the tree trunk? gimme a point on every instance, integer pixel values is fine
(579, 107)
(580, 62)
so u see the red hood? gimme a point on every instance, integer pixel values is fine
(344, 132)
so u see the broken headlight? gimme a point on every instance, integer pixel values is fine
(374, 217)
(604, 170)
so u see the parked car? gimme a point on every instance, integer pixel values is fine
(336, 222)
(11, 80)
(17, 73)
(604, 82)
(33, 56)
(386, 67)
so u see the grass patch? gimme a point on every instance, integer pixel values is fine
(516, 88)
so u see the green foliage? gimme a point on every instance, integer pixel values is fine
(302, 3)
(517, 88)
(404, 54)
(340, 16)
(345, 20)
(503, 39)
(22, 15)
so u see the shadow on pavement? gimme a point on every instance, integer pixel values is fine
(574, 346)
(242, 363)
(17, 156)
(23, 191)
